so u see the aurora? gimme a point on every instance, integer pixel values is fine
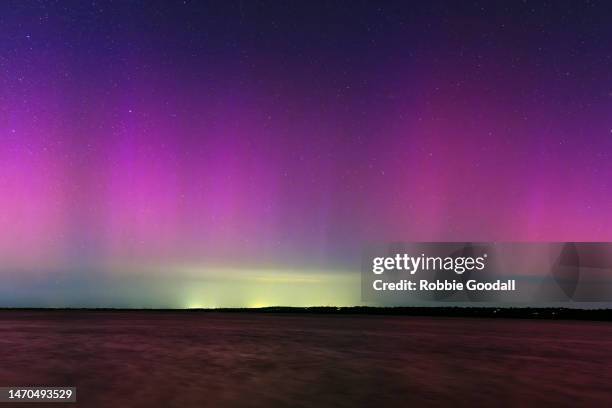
(211, 154)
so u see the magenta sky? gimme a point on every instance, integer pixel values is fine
(252, 135)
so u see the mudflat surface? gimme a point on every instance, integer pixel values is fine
(190, 359)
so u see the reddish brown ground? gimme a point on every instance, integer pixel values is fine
(148, 359)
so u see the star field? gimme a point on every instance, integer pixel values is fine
(157, 153)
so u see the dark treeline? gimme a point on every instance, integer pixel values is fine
(485, 312)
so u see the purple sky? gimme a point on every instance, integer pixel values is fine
(229, 136)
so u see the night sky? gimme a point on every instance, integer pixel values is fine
(206, 154)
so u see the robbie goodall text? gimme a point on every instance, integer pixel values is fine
(527, 273)
(459, 265)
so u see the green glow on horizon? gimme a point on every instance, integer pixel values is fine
(257, 288)
(190, 286)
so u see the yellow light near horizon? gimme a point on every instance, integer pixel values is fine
(258, 304)
(195, 306)
(210, 287)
